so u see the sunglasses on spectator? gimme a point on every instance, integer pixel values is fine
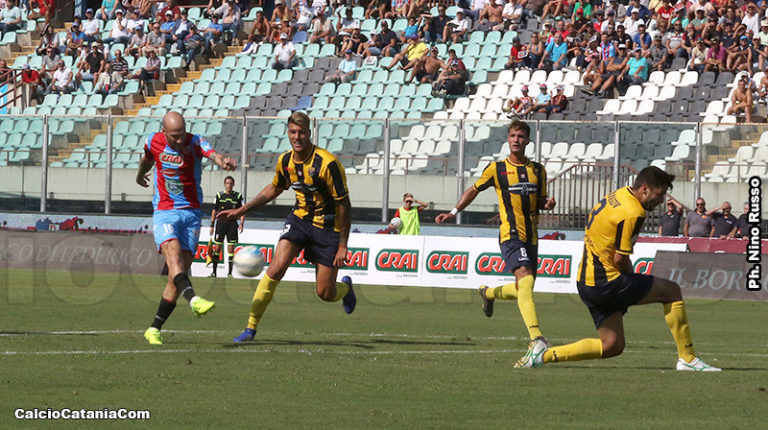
(409, 201)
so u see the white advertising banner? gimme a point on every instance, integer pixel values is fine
(437, 261)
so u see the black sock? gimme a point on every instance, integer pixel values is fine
(184, 286)
(231, 257)
(163, 312)
(215, 262)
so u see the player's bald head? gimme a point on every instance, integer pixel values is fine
(174, 122)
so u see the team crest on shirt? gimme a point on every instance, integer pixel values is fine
(311, 171)
(523, 188)
(172, 159)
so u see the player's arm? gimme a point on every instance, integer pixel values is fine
(225, 163)
(685, 228)
(466, 199)
(659, 229)
(622, 262)
(345, 215)
(269, 193)
(732, 234)
(678, 205)
(422, 205)
(145, 165)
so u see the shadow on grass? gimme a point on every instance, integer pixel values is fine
(371, 344)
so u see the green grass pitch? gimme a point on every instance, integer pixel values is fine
(421, 358)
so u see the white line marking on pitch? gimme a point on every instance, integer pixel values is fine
(262, 351)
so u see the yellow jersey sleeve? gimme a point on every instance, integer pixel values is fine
(281, 179)
(627, 231)
(488, 177)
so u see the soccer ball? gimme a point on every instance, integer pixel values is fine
(396, 222)
(249, 261)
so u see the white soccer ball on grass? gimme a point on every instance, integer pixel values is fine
(249, 261)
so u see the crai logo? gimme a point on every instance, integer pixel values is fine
(643, 265)
(173, 160)
(357, 259)
(447, 262)
(550, 266)
(202, 251)
(397, 260)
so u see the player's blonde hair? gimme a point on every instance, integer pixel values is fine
(516, 124)
(301, 119)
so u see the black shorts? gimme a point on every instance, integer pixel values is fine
(615, 296)
(517, 253)
(319, 245)
(605, 76)
(226, 229)
(422, 74)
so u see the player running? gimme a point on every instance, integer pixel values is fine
(608, 285)
(521, 186)
(229, 199)
(319, 223)
(176, 156)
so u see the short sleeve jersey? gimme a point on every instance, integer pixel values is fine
(518, 188)
(613, 226)
(319, 183)
(225, 201)
(177, 174)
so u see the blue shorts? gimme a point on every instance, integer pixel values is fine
(319, 245)
(615, 296)
(180, 224)
(517, 253)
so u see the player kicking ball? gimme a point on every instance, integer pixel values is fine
(608, 285)
(177, 157)
(319, 223)
(521, 187)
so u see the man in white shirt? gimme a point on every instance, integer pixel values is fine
(62, 80)
(752, 19)
(477, 6)
(347, 24)
(632, 23)
(456, 29)
(10, 18)
(304, 18)
(512, 14)
(119, 31)
(135, 21)
(285, 54)
(90, 26)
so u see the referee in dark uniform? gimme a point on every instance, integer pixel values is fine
(229, 199)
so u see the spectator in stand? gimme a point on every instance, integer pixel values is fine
(592, 73)
(762, 87)
(752, 18)
(558, 103)
(146, 6)
(377, 9)
(119, 64)
(612, 70)
(10, 18)
(48, 39)
(34, 83)
(540, 103)
(741, 101)
(698, 57)
(109, 81)
(356, 43)
(74, 40)
(636, 70)
(669, 224)
(212, 33)
(46, 9)
(698, 22)
(281, 17)
(322, 30)
(554, 8)
(303, 16)
(412, 29)
(450, 82)
(155, 41)
(742, 224)
(285, 54)
(181, 29)
(535, 50)
(740, 56)
(90, 66)
(490, 17)
(427, 68)
(167, 25)
(135, 21)
(513, 15)
(632, 23)
(518, 105)
(49, 65)
(346, 25)
(346, 70)
(138, 41)
(518, 56)
(107, 10)
(119, 33)
(150, 71)
(212, 5)
(409, 215)
(716, 56)
(456, 29)
(171, 6)
(725, 224)
(63, 81)
(194, 44)
(674, 41)
(385, 43)
(621, 37)
(554, 57)
(435, 25)
(658, 54)
(643, 12)
(411, 52)
(698, 223)
(642, 39)
(399, 9)
(91, 26)
(5, 72)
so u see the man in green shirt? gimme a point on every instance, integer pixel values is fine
(409, 215)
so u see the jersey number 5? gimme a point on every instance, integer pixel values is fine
(595, 211)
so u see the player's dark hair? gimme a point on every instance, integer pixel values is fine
(231, 178)
(516, 124)
(654, 178)
(301, 119)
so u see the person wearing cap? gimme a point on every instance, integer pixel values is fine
(613, 67)
(699, 21)
(322, 30)
(119, 33)
(10, 18)
(457, 28)
(75, 39)
(516, 106)
(558, 103)
(675, 41)
(135, 21)
(285, 54)
(657, 54)
(63, 80)
(356, 43)
(717, 54)
(31, 79)
(540, 102)
(90, 26)
(669, 222)
(194, 44)
(411, 52)
(518, 55)
(643, 13)
(384, 43)
(740, 56)
(138, 41)
(212, 33)
(346, 70)
(636, 70)
(698, 57)
(181, 30)
(451, 81)
(555, 57)
(90, 66)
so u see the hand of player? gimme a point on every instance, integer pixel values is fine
(227, 215)
(443, 217)
(550, 204)
(340, 260)
(143, 180)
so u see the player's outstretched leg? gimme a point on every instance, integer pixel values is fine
(199, 305)
(164, 310)
(261, 298)
(677, 320)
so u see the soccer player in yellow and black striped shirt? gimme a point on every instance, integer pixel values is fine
(521, 187)
(608, 286)
(319, 223)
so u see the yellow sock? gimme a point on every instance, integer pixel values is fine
(261, 299)
(526, 305)
(677, 320)
(585, 349)
(504, 292)
(341, 290)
